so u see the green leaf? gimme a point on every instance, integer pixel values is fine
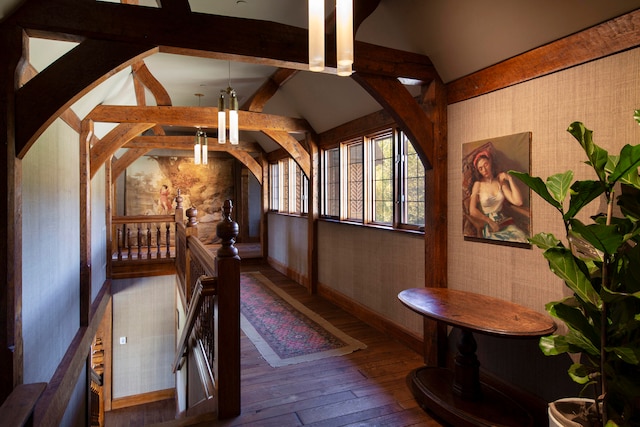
(603, 237)
(559, 184)
(628, 163)
(582, 334)
(582, 193)
(563, 264)
(538, 186)
(545, 241)
(597, 156)
(579, 373)
(552, 345)
(627, 354)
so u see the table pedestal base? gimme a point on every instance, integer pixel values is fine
(433, 389)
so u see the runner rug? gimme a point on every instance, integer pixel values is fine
(283, 330)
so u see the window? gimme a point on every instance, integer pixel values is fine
(289, 188)
(382, 179)
(331, 183)
(274, 181)
(284, 185)
(377, 179)
(412, 185)
(355, 181)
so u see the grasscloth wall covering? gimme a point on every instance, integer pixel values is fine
(603, 95)
(143, 312)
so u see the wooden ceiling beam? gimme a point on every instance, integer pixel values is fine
(119, 165)
(142, 74)
(405, 110)
(293, 147)
(242, 152)
(204, 117)
(608, 38)
(107, 146)
(185, 142)
(248, 40)
(49, 93)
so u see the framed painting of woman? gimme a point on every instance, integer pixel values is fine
(495, 206)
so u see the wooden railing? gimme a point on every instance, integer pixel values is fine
(143, 236)
(144, 245)
(17, 410)
(211, 290)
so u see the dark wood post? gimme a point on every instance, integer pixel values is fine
(227, 351)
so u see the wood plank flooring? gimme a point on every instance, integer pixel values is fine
(365, 388)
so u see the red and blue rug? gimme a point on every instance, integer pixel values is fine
(283, 330)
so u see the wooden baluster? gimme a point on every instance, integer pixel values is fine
(119, 244)
(128, 243)
(139, 242)
(168, 240)
(158, 254)
(148, 241)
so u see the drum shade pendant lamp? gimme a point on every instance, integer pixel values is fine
(344, 36)
(200, 144)
(228, 101)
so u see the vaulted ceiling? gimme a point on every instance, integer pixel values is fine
(460, 37)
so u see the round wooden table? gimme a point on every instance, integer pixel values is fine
(458, 396)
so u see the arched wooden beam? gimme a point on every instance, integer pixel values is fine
(260, 98)
(405, 110)
(293, 147)
(205, 117)
(115, 139)
(59, 86)
(123, 162)
(185, 143)
(143, 75)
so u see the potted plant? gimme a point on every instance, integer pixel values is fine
(600, 263)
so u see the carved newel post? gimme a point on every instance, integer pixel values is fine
(192, 214)
(179, 210)
(227, 230)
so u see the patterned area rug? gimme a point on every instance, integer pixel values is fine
(283, 330)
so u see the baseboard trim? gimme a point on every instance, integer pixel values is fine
(371, 318)
(141, 399)
(291, 274)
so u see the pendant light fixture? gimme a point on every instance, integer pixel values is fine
(344, 36)
(201, 148)
(316, 35)
(228, 101)
(200, 144)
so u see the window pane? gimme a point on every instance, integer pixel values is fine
(413, 186)
(304, 193)
(298, 188)
(383, 179)
(332, 182)
(275, 186)
(284, 200)
(355, 182)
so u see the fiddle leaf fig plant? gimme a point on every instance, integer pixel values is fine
(599, 261)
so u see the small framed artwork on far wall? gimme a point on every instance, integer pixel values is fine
(496, 206)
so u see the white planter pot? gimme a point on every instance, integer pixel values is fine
(568, 405)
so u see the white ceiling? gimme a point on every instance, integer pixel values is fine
(459, 36)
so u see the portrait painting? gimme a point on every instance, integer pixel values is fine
(495, 205)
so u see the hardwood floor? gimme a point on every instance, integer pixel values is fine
(365, 388)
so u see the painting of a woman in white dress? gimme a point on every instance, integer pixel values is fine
(495, 207)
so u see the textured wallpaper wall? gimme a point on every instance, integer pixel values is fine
(603, 95)
(143, 312)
